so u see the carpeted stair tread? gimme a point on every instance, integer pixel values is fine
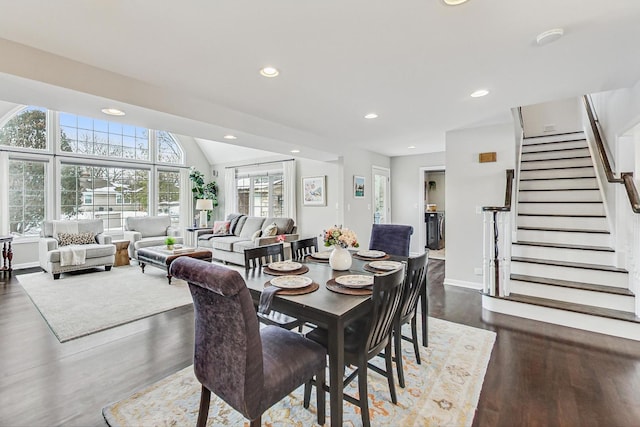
(563, 215)
(554, 159)
(565, 230)
(565, 246)
(581, 265)
(561, 201)
(556, 168)
(576, 308)
(563, 189)
(560, 177)
(573, 285)
(555, 150)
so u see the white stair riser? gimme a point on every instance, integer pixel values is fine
(532, 147)
(555, 138)
(583, 223)
(560, 163)
(568, 238)
(550, 155)
(595, 277)
(560, 196)
(554, 184)
(558, 173)
(578, 296)
(563, 254)
(562, 208)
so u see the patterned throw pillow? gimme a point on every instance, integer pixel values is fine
(271, 230)
(221, 228)
(65, 239)
(256, 235)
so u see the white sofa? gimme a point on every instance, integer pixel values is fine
(147, 231)
(101, 253)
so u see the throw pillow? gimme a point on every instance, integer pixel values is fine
(66, 239)
(221, 228)
(256, 235)
(271, 230)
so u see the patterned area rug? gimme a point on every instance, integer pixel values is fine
(442, 391)
(84, 303)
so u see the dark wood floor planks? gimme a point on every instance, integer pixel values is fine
(539, 374)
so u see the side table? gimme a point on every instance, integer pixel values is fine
(192, 237)
(122, 252)
(7, 255)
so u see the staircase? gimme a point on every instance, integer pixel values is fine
(563, 265)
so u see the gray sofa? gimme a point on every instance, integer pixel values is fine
(147, 231)
(230, 247)
(101, 253)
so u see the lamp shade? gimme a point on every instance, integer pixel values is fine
(204, 205)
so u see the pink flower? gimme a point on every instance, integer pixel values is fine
(280, 238)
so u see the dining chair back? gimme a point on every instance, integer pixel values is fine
(394, 239)
(366, 338)
(263, 255)
(249, 367)
(255, 258)
(415, 281)
(303, 247)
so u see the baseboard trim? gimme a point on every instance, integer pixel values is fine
(25, 265)
(463, 284)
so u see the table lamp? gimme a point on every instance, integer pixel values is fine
(204, 205)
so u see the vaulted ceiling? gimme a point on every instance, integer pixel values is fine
(192, 66)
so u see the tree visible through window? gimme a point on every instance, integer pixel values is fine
(261, 195)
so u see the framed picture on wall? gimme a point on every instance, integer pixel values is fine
(314, 190)
(358, 186)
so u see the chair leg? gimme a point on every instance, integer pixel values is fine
(364, 396)
(257, 422)
(414, 336)
(397, 341)
(203, 412)
(307, 394)
(389, 368)
(320, 396)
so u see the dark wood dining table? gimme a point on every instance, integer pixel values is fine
(326, 309)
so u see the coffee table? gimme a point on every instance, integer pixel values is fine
(161, 257)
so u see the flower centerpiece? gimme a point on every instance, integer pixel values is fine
(341, 239)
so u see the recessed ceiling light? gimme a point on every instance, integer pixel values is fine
(113, 112)
(549, 36)
(295, 151)
(371, 116)
(230, 137)
(479, 93)
(269, 71)
(411, 147)
(454, 2)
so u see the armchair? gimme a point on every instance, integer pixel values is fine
(147, 231)
(98, 253)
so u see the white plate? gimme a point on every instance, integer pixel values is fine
(355, 280)
(291, 282)
(371, 254)
(321, 255)
(386, 265)
(285, 266)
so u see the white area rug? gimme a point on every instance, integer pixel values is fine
(84, 303)
(442, 391)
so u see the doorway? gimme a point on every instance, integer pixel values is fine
(432, 220)
(381, 195)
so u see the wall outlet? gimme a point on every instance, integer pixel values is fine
(477, 271)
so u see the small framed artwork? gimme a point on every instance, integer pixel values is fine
(314, 190)
(358, 186)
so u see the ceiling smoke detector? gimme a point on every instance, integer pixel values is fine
(549, 36)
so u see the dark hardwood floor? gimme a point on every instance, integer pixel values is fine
(539, 374)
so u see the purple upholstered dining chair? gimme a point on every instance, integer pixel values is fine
(249, 367)
(393, 239)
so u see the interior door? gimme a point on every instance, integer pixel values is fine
(381, 196)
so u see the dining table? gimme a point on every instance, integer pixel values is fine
(324, 308)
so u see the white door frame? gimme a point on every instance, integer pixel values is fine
(422, 226)
(388, 191)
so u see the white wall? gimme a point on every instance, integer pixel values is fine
(471, 185)
(435, 195)
(407, 187)
(564, 115)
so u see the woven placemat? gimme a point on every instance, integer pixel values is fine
(374, 270)
(301, 270)
(299, 291)
(364, 258)
(332, 285)
(312, 259)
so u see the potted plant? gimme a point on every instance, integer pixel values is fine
(202, 190)
(170, 241)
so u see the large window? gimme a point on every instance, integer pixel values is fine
(261, 194)
(93, 184)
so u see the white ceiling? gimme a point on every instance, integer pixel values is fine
(192, 66)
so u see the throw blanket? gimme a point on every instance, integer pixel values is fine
(72, 255)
